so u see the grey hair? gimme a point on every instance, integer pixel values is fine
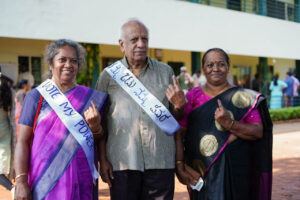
(131, 20)
(53, 49)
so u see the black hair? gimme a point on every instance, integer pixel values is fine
(275, 78)
(5, 94)
(225, 55)
(22, 83)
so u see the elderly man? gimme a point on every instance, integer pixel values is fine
(137, 159)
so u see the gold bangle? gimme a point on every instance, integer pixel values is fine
(179, 162)
(232, 122)
(22, 174)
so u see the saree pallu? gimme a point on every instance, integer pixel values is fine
(58, 166)
(240, 170)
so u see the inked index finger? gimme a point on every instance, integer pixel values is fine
(175, 82)
(220, 103)
(93, 105)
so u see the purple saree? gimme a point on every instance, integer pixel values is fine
(58, 166)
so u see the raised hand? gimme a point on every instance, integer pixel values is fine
(175, 95)
(93, 119)
(222, 116)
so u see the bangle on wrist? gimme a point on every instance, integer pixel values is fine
(178, 162)
(19, 175)
(231, 125)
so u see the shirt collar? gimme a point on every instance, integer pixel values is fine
(149, 63)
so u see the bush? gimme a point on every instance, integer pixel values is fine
(285, 113)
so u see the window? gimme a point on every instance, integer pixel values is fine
(241, 76)
(30, 65)
(276, 9)
(108, 61)
(176, 67)
(234, 4)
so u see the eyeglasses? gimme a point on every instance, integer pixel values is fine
(220, 65)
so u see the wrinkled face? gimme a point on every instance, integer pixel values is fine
(65, 65)
(215, 68)
(135, 42)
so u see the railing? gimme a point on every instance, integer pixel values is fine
(274, 8)
(283, 102)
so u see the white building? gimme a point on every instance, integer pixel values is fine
(179, 32)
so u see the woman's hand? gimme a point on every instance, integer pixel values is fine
(22, 190)
(106, 171)
(222, 116)
(245, 131)
(183, 176)
(93, 119)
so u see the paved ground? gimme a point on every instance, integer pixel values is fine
(286, 170)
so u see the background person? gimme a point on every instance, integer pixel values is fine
(23, 88)
(5, 133)
(137, 160)
(288, 91)
(185, 80)
(199, 79)
(49, 162)
(228, 137)
(26, 75)
(276, 88)
(296, 100)
(255, 83)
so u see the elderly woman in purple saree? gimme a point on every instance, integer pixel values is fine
(228, 137)
(50, 162)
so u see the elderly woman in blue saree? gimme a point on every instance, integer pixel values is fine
(228, 137)
(54, 157)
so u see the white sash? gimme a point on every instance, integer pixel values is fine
(71, 119)
(150, 104)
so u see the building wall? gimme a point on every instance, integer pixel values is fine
(110, 51)
(113, 51)
(11, 48)
(249, 61)
(173, 24)
(178, 56)
(282, 66)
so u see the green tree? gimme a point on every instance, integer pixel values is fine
(89, 74)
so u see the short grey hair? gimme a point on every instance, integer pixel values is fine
(131, 20)
(53, 48)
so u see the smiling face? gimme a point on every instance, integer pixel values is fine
(134, 43)
(215, 68)
(65, 66)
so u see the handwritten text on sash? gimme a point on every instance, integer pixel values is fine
(141, 93)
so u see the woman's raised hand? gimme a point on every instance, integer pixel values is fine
(93, 119)
(222, 116)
